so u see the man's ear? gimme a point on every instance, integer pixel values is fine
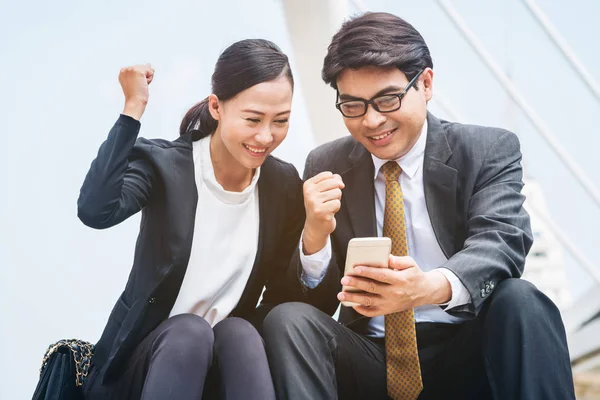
(426, 79)
(214, 107)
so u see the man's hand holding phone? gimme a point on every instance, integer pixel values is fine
(402, 286)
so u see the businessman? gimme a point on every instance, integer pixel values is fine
(449, 318)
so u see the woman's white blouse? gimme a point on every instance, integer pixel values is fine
(224, 245)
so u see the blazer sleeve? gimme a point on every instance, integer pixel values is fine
(498, 227)
(324, 296)
(119, 181)
(279, 286)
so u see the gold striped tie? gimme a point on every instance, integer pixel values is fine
(402, 358)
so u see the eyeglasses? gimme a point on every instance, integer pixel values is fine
(384, 104)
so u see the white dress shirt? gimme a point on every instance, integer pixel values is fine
(422, 243)
(224, 244)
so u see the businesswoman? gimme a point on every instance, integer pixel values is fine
(220, 220)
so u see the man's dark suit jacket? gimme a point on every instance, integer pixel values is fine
(157, 177)
(472, 180)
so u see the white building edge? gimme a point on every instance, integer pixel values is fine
(545, 265)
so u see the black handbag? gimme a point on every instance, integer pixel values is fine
(64, 368)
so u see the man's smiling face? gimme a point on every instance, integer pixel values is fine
(387, 136)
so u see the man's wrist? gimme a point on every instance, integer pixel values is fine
(439, 288)
(312, 242)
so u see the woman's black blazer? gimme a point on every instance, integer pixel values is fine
(157, 177)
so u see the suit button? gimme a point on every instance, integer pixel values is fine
(152, 300)
(492, 285)
(482, 292)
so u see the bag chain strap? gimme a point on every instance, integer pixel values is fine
(82, 355)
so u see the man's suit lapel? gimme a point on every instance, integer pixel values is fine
(358, 196)
(440, 184)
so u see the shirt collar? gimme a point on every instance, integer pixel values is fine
(411, 161)
(210, 180)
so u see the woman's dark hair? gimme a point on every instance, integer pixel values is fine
(242, 65)
(376, 39)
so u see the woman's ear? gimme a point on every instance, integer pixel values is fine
(214, 107)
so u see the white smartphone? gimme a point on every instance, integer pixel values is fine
(369, 251)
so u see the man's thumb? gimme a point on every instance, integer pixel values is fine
(401, 262)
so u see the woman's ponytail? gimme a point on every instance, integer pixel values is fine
(198, 118)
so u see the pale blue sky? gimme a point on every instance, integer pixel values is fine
(59, 96)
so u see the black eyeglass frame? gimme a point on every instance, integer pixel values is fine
(371, 101)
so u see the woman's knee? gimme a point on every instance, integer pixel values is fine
(242, 360)
(237, 341)
(236, 332)
(186, 333)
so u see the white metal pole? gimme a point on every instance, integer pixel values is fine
(510, 88)
(359, 5)
(554, 34)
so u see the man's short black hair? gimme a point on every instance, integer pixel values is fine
(376, 39)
